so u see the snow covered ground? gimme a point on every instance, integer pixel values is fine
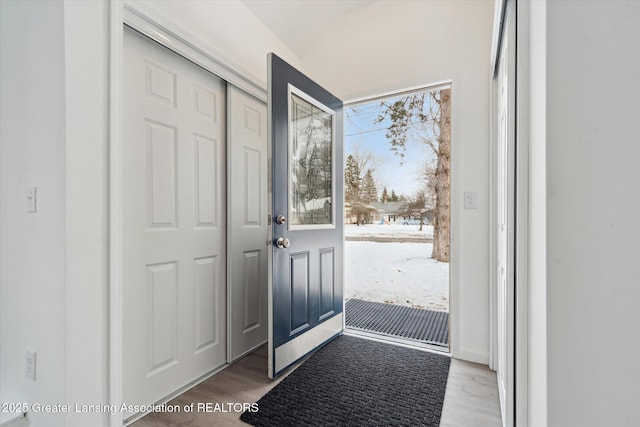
(395, 272)
(388, 230)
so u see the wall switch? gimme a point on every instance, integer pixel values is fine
(30, 364)
(470, 200)
(32, 200)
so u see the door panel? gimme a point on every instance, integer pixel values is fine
(248, 312)
(505, 237)
(174, 259)
(327, 283)
(306, 277)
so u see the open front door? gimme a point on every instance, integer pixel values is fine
(307, 216)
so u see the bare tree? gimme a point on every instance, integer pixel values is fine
(416, 206)
(365, 160)
(442, 219)
(426, 117)
(428, 179)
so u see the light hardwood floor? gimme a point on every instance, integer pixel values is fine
(471, 398)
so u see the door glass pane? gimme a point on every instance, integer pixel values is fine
(310, 163)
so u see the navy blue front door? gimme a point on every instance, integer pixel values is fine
(307, 226)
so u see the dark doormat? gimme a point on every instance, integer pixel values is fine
(358, 382)
(426, 326)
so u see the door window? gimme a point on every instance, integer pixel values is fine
(311, 165)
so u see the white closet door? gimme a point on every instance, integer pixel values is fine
(174, 221)
(248, 310)
(505, 237)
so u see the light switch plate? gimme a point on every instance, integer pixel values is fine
(470, 200)
(30, 363)
(32, 200)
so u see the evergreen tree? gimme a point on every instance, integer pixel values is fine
(394, 196)
(385, 195)
(360, 190)
(352, 180)
(369, 190)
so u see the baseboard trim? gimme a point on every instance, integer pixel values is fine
(472, 356)
(13, 420)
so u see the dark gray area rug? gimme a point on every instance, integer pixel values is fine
(358, 382)
(427, 326)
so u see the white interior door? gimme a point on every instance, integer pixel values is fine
(174, 225)
(247, 222)
(505, 238)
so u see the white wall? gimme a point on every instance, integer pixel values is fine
(393, 45)
(32, 245)
(593, 211)
(230, 29)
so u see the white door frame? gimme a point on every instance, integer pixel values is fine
(453, 347)
(149, 23)
(522, 215)
(521, 247)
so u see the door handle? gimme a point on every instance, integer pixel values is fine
(282, 243)
(281, 219)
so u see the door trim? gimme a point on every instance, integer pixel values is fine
(164, 32)
(116, 112)
(521, 329)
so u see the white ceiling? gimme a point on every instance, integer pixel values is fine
(299, 23)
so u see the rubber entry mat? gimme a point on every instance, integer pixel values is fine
(426, 326)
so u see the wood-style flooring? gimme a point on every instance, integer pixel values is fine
(471, 398)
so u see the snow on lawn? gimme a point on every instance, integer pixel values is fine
(388, 230)
(398, 273)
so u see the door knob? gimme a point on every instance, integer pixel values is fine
(282, 243)
(281, 219)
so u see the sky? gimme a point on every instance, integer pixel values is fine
(391, 171)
